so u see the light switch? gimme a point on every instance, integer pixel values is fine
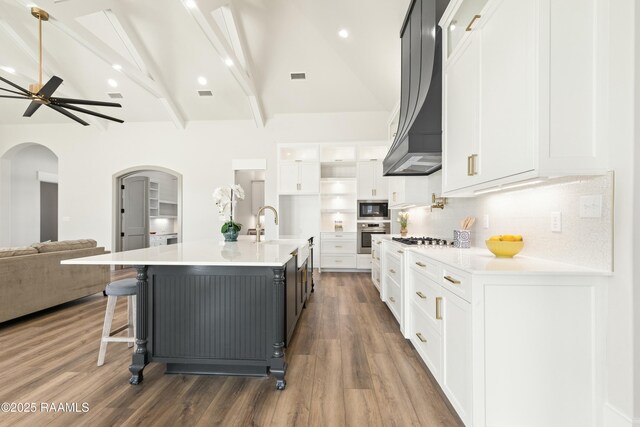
(591, 206)
(556, 222)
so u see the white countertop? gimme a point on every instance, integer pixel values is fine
(244, 253)
(482, 261)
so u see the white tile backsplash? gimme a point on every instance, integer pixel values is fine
(527, 211)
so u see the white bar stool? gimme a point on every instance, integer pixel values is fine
(119, 288)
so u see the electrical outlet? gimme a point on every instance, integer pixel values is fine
(591, 206)
(485, 221)
(556, 222)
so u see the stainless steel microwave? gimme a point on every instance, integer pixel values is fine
(373, 210)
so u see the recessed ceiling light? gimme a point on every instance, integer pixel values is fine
(228, 62)
(117, 67)
(191, 4)
(9, 70)
(112, 83)
(202, 80)
(452, 26)
(343, 33)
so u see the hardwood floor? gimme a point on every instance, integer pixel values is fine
(348, 365)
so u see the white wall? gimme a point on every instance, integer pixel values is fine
(526, 211)
(22, 193)
(202, 153)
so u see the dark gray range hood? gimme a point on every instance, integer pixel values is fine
(417, 147)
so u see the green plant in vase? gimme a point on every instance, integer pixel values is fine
(403, 219)
(225, 198)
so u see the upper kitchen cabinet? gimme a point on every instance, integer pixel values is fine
(337, 153)
(523, 98)
(299, 169)
(410, 191)
(371, 183)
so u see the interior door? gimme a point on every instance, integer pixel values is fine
(135, 218)
(48, 211)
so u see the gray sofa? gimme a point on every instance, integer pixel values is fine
(32, 278)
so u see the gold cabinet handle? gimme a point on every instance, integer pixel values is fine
(469, 172)
(400, 252)
(452, 280)
(338, 246)
(421, 295)
(438, 312)
(420, 264)
(420, 337)
(474, 169)
(391, 270)
(392, 299)
(338, 260)
(394, 196)
(378, 258)
(472, 21)
(378, 243)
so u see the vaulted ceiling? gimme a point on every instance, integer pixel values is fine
(245, 49)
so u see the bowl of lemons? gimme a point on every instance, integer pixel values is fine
(505, 245)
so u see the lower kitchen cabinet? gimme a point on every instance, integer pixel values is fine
(522, 347)
(456, 380)
(338, 250)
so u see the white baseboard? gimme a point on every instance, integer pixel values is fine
(613, 417)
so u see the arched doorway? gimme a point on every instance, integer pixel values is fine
(28, 195)
(148, 207)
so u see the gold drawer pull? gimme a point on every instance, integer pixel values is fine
(338, 246)
(469, 172)
(421, 295)
(420, 264)
(400, 252)
(392, 299)
(391, 270)
(379, 243)
(472, 21)
(378, 258)
(438, 312)
(452, 280)
(420, 337)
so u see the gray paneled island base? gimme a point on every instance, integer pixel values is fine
(216, 308)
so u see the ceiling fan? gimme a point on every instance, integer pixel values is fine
(40, 94)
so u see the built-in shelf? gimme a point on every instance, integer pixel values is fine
(348, 179)
(327, 194)
(163, 216)
(167, 202)
(345, 211)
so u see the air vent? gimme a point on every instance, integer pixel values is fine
(115, 95)
(205, 93)
(298, 76)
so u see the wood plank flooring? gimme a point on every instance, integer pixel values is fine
(348, 365)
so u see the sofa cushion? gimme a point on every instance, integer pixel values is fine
(23, 250)
(64, 245)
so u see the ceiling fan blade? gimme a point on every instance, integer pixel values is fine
(15, 86)
(50, 86)
(32, 108)
(68, 114)
(85, 102)
(13, 91)
(14, 97)
(92, 113)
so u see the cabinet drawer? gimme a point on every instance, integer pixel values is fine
(393, 298)
(339, 236)
(426, 267)
(338, 261)
(339, 247)
(393, 269)
(457, 282)
(364, 262)
(427, 295)
(375, 277)
(427, 341)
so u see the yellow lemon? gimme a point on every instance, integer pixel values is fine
(495, 238)
(508, 238)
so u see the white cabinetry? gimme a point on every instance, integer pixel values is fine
(338, 250)
(496, 341)
(299, 178)
(371, 184)
(409, 191)
(516, 107)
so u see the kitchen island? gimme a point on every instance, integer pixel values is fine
(215, 307)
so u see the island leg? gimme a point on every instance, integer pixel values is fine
(278, 365)
(140, 356)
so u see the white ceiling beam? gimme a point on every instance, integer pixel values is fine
(135, 46)
(226, 51)
(49, 67)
